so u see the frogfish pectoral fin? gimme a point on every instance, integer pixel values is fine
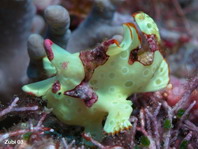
(40, 88)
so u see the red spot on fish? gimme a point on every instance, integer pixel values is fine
(30, 93)
(48, 49)
(64, 65)
(136, 13)
(56, 87)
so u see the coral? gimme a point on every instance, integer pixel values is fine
(36, 52)
(12, 108)
(58, 21)
(98, 26)
(41, 5)
(16, 18)
(86, 87)
(98, 144)
(78, 10)
(31, 133)
(176, 90)
(174, 121)
(182, 65)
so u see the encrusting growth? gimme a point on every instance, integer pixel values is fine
(86, 87)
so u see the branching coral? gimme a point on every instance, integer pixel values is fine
(12, 108)
(58, 21)
(98, 26)
(31, 133)
(98, 144)
(172, 124)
